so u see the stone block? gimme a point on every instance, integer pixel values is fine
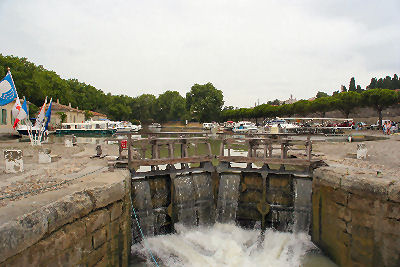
(103, 196)
(394, 192)
(116, 210)
(366, 186)
(18, 235)
(70, 235)
(97, 255)
(68, 209)
(114, 229)
(44, 156)
(393, 210)
(97, 220)
(99, 238)
(327, 176)
(339, 196)
(361, 151)
(389, 226)
(362, 204)
(362, 218)
(14, 161)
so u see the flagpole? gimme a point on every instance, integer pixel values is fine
(9, 71)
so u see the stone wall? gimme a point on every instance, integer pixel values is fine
(91, 227)
(356, 218)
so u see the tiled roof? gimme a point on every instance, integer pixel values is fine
(59, 107)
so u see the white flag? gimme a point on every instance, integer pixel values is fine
(16, 108)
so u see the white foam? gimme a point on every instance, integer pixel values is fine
(227, 245)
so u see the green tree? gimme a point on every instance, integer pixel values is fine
(301, 107)
(204, 102)
(63, 116)
(170, 106)
(352, 85)
(379, 99)
(323, 105)
(276, 102)
(346, 102)
(321, 94)
(88, 115)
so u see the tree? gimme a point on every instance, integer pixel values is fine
(301, 107)
(204, 102)
(347, 102)
(63, 116)
(276, 102)
(170, 106)
(380, 99)
(352, 85)
(88, 115)
(358, 89)
(321, 94)
(323, 105)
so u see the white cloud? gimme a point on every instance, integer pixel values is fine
(249, 49)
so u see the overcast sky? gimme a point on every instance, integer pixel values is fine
(250, 50)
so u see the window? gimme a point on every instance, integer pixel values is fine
(12, 118)
(3, 116)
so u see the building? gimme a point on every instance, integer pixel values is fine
(291, 100)
(6, 119)
(58, 111)
(98, 116)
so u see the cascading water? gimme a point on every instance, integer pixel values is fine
(204, 198)
(229, 245)
(302, 205)
(141, 199)
(228, 197)
(184, 200)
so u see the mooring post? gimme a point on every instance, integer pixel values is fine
(309, 148)
(129, 150)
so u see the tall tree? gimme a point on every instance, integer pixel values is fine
(323, 105)
(170, 106)
(352, 85)
(346, 102)
(301, 107)
(379, 99)
(204, 102)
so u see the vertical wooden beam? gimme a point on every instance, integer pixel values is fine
(129, 150)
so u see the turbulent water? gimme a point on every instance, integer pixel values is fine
(226, 245)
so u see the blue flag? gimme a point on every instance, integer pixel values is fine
(48, 115)
(7, 90)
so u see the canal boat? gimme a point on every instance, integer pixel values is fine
(86, 128)
(245, 127)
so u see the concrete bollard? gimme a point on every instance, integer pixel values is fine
(14, 161)
(361, 151)
(44, 156)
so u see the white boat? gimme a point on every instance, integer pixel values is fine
(209, 125)
(86, 128)
(245, 127)
(281, 123)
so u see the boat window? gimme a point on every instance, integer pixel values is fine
(97, 126)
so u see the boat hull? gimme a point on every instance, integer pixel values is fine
(85, 131)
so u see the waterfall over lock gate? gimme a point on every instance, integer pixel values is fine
(228, 196)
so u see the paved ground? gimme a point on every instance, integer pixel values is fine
(72, 165)
(383, 157)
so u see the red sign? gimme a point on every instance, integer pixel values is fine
(124, 144)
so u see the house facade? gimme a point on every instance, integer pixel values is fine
(98, 116)
(71, 114)
(6, 119)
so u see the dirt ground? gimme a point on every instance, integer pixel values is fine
(383, 156)
(70, 163)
